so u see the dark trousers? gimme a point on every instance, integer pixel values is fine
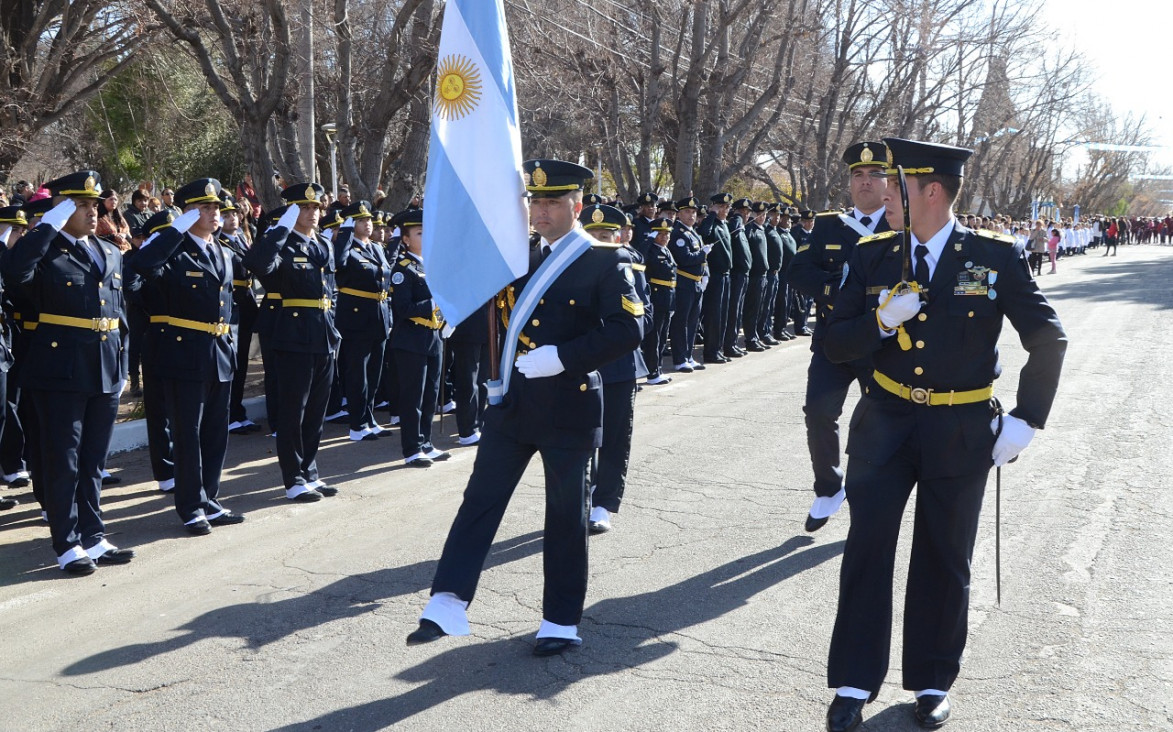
(737, 286)
(716, 315)
(12, 434)
(236, 410)
(826, 390)
(305, 380)
(272, 389)
(419, 388)
(337, 388)
(362, 360)
(800, 308)
(138, 320)
(198, 411)
(766, 310)
(755, 294)
(655, 338)
(32, 452)
(685, 319)
(470, 373)
(158, 424)
(388, 390)
(936, 602)
(615, 453)
(73, 435)
(499, 465)
(781, 308)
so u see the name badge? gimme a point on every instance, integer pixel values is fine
(195, 274)
(301, 259)
(833, 247)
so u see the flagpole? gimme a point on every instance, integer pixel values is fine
(494, 342)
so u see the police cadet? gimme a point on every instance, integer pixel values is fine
(714, 232)
(11, 218)
(270, 308)
(689, 251)
(416, 345)
(661, 277)
(665, 210)
(148, 296)
(469, 346)
(928, 419)
(772, 325)
(800, 304)
(196, 351)
(644, 217)
(76, 364)
(13, 225)
(304, 340)
(364, 316)
(755, 235)
(245, 313)
(609, 476)
(587, 316)
(738, 276)
(816, 272)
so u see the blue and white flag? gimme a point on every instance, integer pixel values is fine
(476, 223)
(1034, 210)
(1075, 215)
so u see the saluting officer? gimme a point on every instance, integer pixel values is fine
(196, 350)
(644, 217)
(689, 252)
(245, 313)
(270, 308)
(715, 311)
(816, 272)
(13, 225)
(304, 340)
(589, 315)
(364, 316)
(927, 419)
(661, 274)
(76, 364)
(416, 344)
(11, 218)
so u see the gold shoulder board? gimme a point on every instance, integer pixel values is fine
(877, 237)
(1000, 238)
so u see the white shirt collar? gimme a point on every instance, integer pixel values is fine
(875, 217)
(936, 244)
(554, 244)
(84, 241)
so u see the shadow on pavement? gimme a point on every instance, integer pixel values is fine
(626, 634)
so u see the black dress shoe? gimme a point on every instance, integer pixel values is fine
(739, 349)
(7, 504)
(770, 340)
(111, 480)
(932, 710)
(755, 347)
(116, 556)
(551, 646)
(227, 519)
(736, 353)
(80, 567)
(426, 633)
(199, 528)
(698, 366)
(310, 496)
(845, 714)
(21, 482)
(420, 462)
(813, 524)
(805, 332)
(326, 490)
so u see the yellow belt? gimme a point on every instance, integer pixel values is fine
(663, 283)
(98, 325)
(321, 304)
(380, 296)
(689, 275)
(272, 295)
(216, 329)
(30, 325)
(917, 395)
(159, 318)
(242, 283)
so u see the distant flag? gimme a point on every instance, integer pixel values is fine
(1075, 215)
(1034, 210)
(476, 224)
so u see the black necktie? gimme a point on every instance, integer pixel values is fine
(545, 251)
(866, 221)
(922, 265)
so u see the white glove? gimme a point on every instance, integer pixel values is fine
(704, 282)
(348, 224)
(707, 248)
(289, 218)
(59, 214)
(185, 221)
(4, 235)
(447, 331)
(540, 362)
(1016, 435)
(899, 309)
(150, 239)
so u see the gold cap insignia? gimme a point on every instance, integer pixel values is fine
(728, 198)
(90, 183)
(362, 209)
(865, 155)
(891, 161)
(539, 177)
(598, 217)
(20, 217)
(309, 194)
(209, 190)
(170, 217)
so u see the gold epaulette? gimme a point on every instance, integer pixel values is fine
(877, 237)
(829, 213)
(404, 262)
(1000, 238)
(605, 245)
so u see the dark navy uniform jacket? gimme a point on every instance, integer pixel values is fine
(755, 236)
(774, 248)
(301, 269)
(247, 308)
(593, 314)
(716, 232)
(954, 347)
(417, 318)
(740, 244)
(642, 234)
(362, 267)
(685, 245)
(632, 366)
(195, 288)
(661, 268)
(817, 268)
(60, 277)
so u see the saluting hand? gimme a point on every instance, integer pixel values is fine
(59, 214)
(289, 218)
(185, 220)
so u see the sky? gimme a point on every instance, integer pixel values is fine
(1127, 44)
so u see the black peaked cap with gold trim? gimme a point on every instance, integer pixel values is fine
(721, 198)
(554, 178)
(410, 217)
(358, 210)
(82, 184)
(202, 190)
(923, 158)
(592, 199)
(687, 203)
(330, 219)
(661, 225)
(303, 194)
(227, 202)
(602, 216)
(865, 153)
(13, 216)
(158, 222)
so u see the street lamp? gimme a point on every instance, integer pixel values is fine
(331, 130)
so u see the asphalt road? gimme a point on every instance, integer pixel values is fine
(709, 607)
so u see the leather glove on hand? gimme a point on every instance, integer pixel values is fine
(1016, 435)
(540, 362)
(899, 309)
(185, 221)
(59, 214)
(289, 218)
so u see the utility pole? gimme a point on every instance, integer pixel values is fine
(305, 104)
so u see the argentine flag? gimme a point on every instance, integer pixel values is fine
(476, 223)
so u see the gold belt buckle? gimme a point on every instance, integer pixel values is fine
(325, 303)
(919, 396)
(103, 325)
(220, 329)
(382, 295)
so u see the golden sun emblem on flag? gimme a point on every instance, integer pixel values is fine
(458, 90)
